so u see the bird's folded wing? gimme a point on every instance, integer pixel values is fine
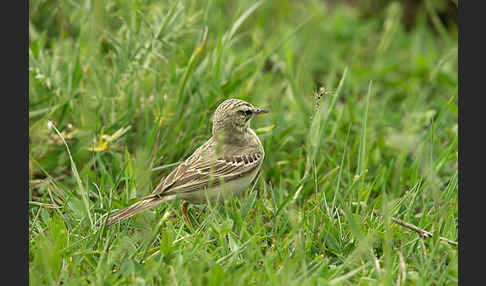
(197, 173)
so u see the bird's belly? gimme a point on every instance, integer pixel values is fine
(221, 192)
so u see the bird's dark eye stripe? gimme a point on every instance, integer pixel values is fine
(246, 112)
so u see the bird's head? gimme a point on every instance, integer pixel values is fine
(234, 115)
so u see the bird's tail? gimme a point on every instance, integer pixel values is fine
(134, 209)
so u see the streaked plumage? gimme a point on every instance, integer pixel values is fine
(225, 164)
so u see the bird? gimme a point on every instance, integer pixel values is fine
(225, 165)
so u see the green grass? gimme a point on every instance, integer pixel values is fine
(131, 85)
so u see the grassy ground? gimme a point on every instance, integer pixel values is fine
(129, 88)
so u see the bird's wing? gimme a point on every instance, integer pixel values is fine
(201, 170)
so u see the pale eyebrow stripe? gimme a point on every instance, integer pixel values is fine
(243, 104)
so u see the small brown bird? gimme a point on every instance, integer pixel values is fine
(226, 164)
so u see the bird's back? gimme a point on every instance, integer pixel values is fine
(211, 164)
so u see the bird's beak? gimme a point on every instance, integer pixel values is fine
(260, 111)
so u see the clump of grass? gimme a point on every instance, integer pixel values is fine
(131, 86)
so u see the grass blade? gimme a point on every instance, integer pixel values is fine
(192, 63)
(82, 190)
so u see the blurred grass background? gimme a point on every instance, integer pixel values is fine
(130, 86)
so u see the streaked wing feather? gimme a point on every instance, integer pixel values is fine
(182, 170)
(221, 172)
(197, 172)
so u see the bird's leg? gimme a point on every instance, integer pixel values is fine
(184, 212)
